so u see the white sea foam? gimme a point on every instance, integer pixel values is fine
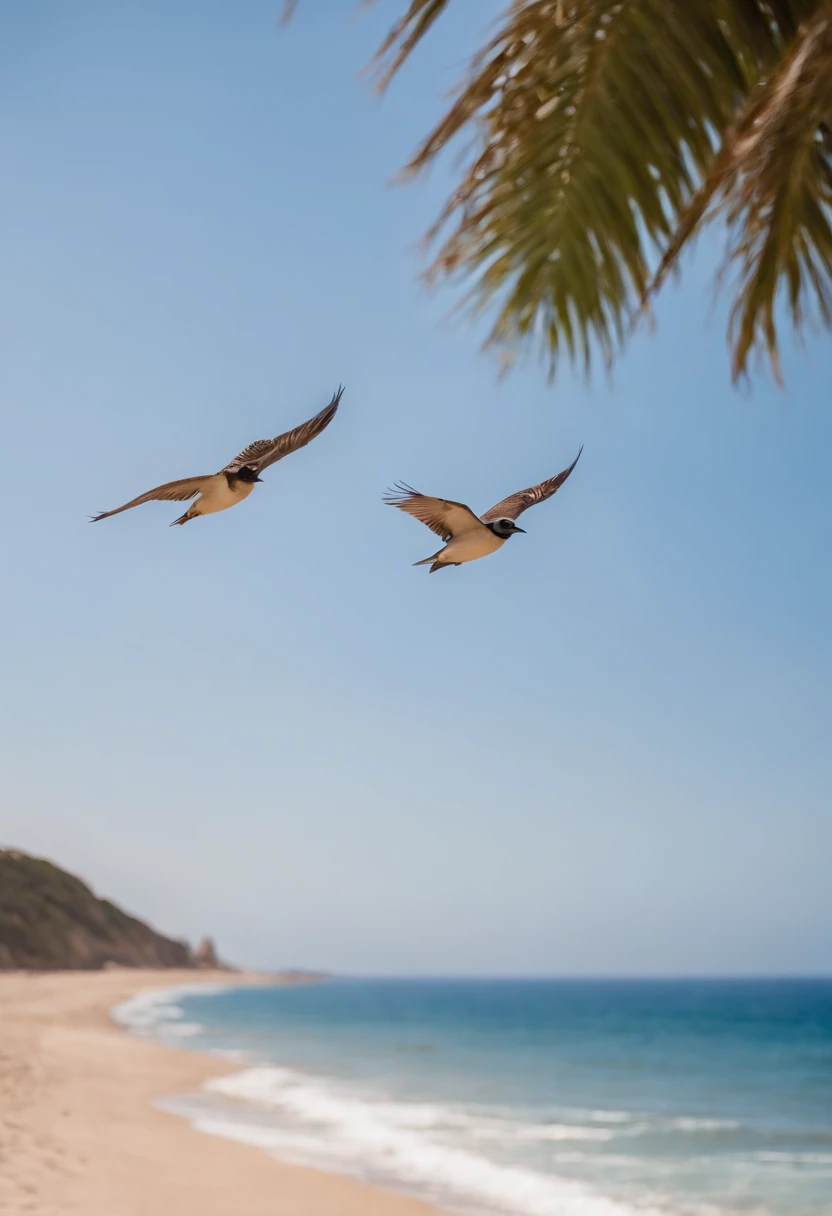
(685, 1124)
(420, 1147)
(628, 1123)
(157, 1013)
(562, 1131)
(795, 1158)
(608, 1116)
(651, 1125)
(483, 1128)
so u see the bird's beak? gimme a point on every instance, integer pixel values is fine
(523, 530)
(258, 479)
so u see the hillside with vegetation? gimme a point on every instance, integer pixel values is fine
(50, 920)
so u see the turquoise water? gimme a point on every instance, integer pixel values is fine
(534, 1098)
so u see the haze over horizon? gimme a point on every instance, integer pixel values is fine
(602, 751)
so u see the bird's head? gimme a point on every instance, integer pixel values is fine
(504, 528)
(246, 473)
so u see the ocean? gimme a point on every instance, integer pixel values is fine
(527, 1097)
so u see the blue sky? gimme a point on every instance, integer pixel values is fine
(603, 750)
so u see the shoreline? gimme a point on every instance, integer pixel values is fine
(79, 1131)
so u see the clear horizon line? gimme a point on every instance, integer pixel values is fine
(563, 977)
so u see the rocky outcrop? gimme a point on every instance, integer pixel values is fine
(205, 955)
(50, 920)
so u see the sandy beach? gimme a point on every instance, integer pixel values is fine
(79, 1132)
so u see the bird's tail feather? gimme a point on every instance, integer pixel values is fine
(434, 563)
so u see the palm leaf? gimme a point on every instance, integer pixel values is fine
(593, 132)
(408, 31)
(772, 179)
(594, 124)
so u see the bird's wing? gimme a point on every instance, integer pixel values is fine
(263, 452)
(171, 491)
(443, 516)
(517, 503)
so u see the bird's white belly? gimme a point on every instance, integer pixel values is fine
(218, 495)
(471, 545)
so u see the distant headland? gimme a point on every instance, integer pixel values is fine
(50, 920)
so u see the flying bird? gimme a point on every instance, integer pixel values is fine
(219, 491)
(466, 535)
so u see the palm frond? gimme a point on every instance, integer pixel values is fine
(408, 31)
(595, 122)
(403, 38)
(772, 179)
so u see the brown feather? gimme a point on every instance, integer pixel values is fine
(171, 491)
(442, 515)
(264, 452)
(517, 503)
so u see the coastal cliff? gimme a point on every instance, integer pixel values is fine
(50, 921)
